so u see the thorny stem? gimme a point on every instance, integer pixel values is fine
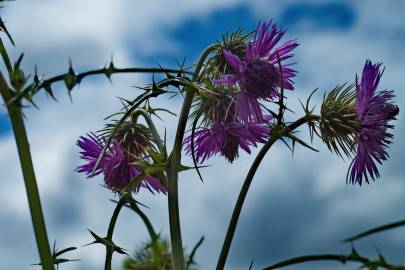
(110, 232)
(126, 198)
(31, 187)
(354, 257)
(107, 71)
(281, 100)
(172, 174)
(275, 135)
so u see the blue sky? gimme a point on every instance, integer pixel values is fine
(297, 205)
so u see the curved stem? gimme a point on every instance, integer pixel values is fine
(384, 227)
(239, 203)
(110, 232)
(246, 185)
(172, 174)
(310, 258)
(151, 126)
(152, 233)
(353, 257)
(31, 187)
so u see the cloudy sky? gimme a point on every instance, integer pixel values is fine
(297, 204)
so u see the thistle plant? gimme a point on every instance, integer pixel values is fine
(233, 99)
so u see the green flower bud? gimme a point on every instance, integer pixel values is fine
(18, 79)
(236, 43)
(134, 138)
(338, 123)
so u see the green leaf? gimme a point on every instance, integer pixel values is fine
(58, 253)
(5, 57)
(298, 140)
(186, 168)
(194, 127)
(156, 156)
(4, 29)
(153, 169)
(98, 238)
(190, 260)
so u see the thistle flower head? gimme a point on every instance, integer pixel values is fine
(226, 138)
(217, 105)
(261, 70)
(374, 111)
(338, 123)
(115, 164)
(236, 43)
(223, 131)
(134, 138)
(213, 105)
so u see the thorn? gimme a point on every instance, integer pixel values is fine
(168, 75)
(48, 88)
(71, 78)
(110, 70)
(4, 29)
(70, 96)
(181, 66)
(70, 64)
(18, 63)
(251, 265)
(36, 78)
(33, 103)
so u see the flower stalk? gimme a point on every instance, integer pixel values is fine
(152, 233)
(172, 173)
(354, 257)
(275, 135)
(151, 126)
(34, 201)
(110, 232)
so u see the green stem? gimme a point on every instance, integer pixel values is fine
(151, 126)
(385, 227)
(246, 185)
(110, 232)
(33, 88)
(281, 99)
(152, 233)
(31, 187)
(172, 174)
(353, 257)
(174, 217)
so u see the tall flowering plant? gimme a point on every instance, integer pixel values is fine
(233, 100)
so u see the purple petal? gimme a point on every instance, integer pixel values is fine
(374, 110)
(227, 79)
(233, 60)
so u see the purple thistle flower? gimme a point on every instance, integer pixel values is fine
(226, 138)
(258, 73)
(374, 111)
(118, 171)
